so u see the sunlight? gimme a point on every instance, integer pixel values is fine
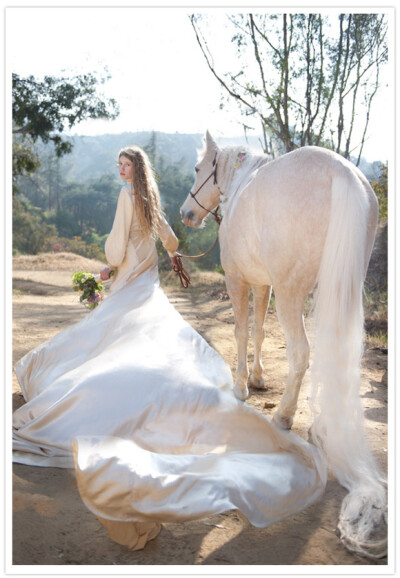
(159, 79)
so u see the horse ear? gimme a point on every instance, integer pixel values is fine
(210, 142)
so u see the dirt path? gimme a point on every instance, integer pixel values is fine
(51, 526)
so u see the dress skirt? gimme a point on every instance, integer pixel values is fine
(139, 404)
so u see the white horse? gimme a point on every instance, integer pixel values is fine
(303, 220)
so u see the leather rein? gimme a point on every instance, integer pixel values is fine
(178, 268)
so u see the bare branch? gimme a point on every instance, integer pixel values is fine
(371, 97)
(211, 67)
(315, 75)
(267, 40)
(260, 66)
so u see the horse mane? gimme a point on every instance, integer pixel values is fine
(236, 164)
(232, 150)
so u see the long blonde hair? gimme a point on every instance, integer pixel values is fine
(145, 190)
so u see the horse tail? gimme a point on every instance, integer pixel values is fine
(338, 427)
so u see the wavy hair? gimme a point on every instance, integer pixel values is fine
(145, 189)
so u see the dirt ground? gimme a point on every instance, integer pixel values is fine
(51, 526)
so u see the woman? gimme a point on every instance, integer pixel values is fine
(142, 406)
(130, 247)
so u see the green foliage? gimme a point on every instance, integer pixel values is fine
(30, 230)
(94, 156)
(304, 78)
(85, 208)
(63, 216)
(181, 231)
(174, 186)
(77, 209)
(65, 223)
(376, 340)
(24, 160)
(200, 241)
(94, 238)
(151, 148)
(375, 301)
(42, 109)
(380, 187)
(77, 215)
(76, 245)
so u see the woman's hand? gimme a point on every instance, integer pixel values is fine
(105, 274)
(174, 261)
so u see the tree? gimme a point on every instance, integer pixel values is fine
(24, 160)
(304, 77)
(30, 230)
(151, 148)
(43, 109)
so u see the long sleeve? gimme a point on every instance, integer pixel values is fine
(117, 240)
(168, 237)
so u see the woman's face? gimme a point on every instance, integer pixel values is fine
(126, 168)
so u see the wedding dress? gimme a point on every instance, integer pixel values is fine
(142, 407)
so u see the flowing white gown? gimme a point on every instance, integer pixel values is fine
(142, 407)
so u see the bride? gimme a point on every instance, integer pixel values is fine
(142, 407)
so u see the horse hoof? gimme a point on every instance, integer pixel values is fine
(257, 383)
(282, 422)
(241, 393)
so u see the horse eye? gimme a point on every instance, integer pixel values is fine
(196, 169)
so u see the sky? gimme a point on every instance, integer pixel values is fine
(159, 76)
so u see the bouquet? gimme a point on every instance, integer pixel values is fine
(90, 289)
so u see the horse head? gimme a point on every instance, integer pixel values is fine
(204, 196)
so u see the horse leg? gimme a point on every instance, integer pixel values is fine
(261, 296)
(239, 295)
(290, 315)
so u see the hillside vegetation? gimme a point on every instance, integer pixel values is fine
(67, 205)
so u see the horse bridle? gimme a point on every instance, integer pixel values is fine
(178, 267)
(214, 213)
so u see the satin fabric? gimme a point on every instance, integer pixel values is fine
(130, 251)
(142, 407)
